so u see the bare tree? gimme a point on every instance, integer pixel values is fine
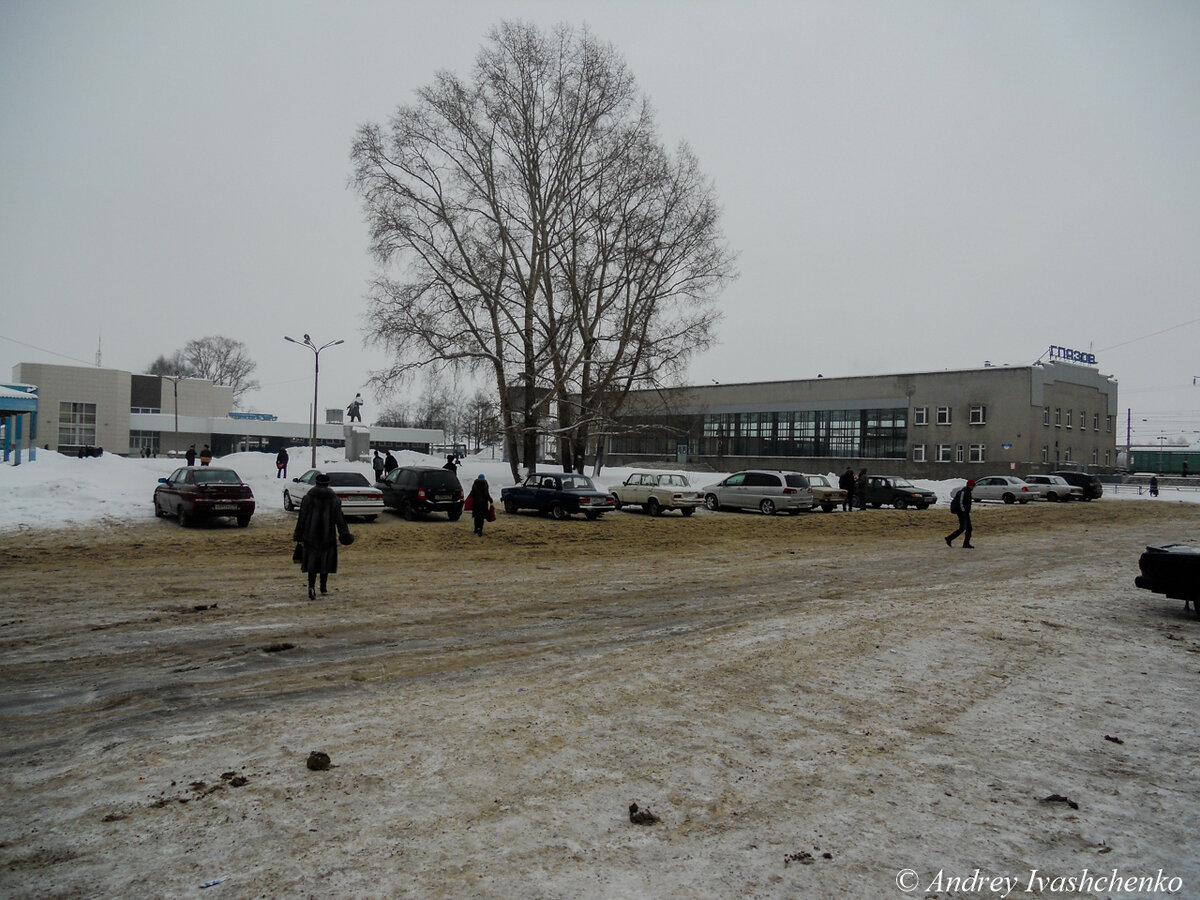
(547, 237)
(221, 360)
(170, 366)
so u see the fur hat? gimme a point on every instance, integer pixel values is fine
(321, 478)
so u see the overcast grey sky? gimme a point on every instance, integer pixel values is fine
(909, 186)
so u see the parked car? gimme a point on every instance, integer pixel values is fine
(825, 494)
(1174, 570)
(359, 497)
(195, 493)
(766, 490)
(1093, 488)
(1003, 488)
(1054, 488)
(657, 492)
(420, 490)
(892, 490)
(560, 494)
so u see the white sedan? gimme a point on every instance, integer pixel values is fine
(359, 497)
(657, 492)
(1006, 488)
(1055, 487)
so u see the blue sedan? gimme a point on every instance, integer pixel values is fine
(559, 494)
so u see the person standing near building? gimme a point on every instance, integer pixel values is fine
(481, 503)
(320, 527)
(281, 463)
(960, 505)
(1153, 485)
(355, 408)
(377, 465)
(190, 456)
(205, 455)
(860, 489)
(846, 483)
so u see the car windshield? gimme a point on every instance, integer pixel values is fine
(577, 483)
(216, 476)
(903, 483)
(348, 479)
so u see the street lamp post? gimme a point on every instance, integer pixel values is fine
(308, 342)
(174, 379)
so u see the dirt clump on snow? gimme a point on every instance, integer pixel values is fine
(837, 690)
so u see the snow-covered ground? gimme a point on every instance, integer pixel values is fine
(60, 491)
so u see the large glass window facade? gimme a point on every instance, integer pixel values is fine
(76, 424)
(844, 433)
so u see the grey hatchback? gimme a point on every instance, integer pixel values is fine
(766, 490)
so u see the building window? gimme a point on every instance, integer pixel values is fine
(978, 415)
(1095, 457)
(959, 456)
(918, 453)
(921, 415)
(943, 453)
(1095, 421)
(1045, 453)
(978, 453)
(1068, 418)
(143, 443)
(1058, 417)
(1108, 426)
(943, 415)
(1067, 455)
(1046, 416)
(76, 424)
(1106, 459)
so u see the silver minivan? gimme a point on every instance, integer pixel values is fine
(769, 491)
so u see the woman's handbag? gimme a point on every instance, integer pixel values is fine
(491, 515)
(470, 503)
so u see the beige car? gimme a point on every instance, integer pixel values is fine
(657, 492)
(825, 494)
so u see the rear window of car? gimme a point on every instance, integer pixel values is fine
(216, 476)
(348, 479)
(796, 481)
(439, 479)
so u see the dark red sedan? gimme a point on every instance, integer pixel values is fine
(192, 494)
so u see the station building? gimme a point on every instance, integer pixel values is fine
(933, 425)
(80, 407)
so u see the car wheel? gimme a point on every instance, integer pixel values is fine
(287, 502)
(558, 512)
(243, 521)
(510, 507)
(617, 504)
(687, 511)
(710, 502)
(1052, 497)
(158, 512)
(406, 511)
(900, 503)
(767, 507)
(185, 520)
(653, 507)
(1009, 498)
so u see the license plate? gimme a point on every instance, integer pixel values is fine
(442, 497)
(225, 507)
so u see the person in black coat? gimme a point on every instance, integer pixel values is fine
(319, 528)
(481, 502)
(389, 462)
(961, 506)
(281, 463)
(846, 483)
(190, 456)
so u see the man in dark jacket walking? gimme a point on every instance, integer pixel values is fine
(481, 502)
(390, 463)
(846, 483)
(319, 528)
(961, 506)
